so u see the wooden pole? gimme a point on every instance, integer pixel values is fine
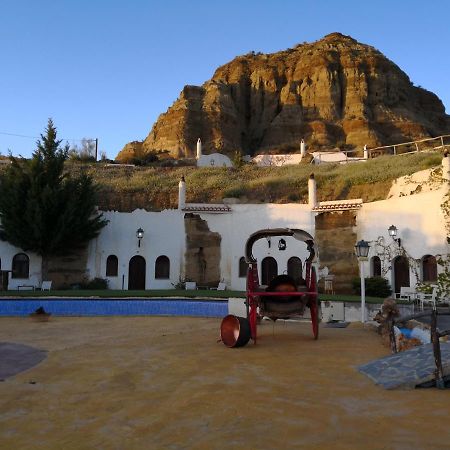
(439, 373)
(96, 149)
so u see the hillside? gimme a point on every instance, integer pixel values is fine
(127, 188)
(335, 92)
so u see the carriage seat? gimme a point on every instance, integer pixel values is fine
(283, 307)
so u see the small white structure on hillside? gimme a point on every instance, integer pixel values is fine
(212, 160)
(277, 160)
(334, 157)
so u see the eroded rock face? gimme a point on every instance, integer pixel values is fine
(335, 237)
(331, 92)
(202, 257)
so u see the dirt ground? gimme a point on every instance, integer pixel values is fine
(165, 383)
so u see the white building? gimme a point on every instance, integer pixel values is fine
(211, 160)
(175, 240)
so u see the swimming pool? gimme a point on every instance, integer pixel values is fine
(115, 307)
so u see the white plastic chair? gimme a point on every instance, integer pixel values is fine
(46, 285)
(220, 287)
(190, 285)
(429, 299)
(406, 293)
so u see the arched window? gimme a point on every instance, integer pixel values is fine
(162, 267)
(375, 266)
(112, 266)
(242, 267)
(429, 268)
(269, 270)
(294, 269)
(20, 266)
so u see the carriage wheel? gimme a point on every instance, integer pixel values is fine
(252, 316)
(314, 305)
(315, 318)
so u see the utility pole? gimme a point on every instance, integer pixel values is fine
(96, 148)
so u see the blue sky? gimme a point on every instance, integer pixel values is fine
(106, 69)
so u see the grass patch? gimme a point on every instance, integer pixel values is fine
(157, 188)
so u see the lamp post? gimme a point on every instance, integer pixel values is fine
(392, 230)
(139, 235)
(362, 251)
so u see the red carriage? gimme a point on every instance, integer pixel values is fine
(272, 302)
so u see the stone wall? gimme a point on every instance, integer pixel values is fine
(68, 269)
(336, 239)
(202, 257)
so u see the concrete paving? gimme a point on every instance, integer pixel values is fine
(165, 383)
(15, 358)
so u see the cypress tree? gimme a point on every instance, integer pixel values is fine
(43, 208)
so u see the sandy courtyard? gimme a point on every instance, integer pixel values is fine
(164, 383)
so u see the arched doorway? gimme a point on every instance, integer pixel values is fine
(269, 270)
(401, 273)
(294, 269)
(136, 273)
(375, 266)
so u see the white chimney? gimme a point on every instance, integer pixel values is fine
(302, 148)
(181, 193)
(312, 191)
(446, 166)
(199, 148)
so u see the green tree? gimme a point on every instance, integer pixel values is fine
(44, 209)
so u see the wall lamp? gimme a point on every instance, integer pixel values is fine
(282, 245)
(393, 234)
(139, 235)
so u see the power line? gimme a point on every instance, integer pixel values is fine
(39, 137)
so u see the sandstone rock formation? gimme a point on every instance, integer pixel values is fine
(333, 92)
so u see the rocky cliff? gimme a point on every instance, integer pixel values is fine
(333, 92)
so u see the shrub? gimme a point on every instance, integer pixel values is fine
(94, 284)
(375, 287)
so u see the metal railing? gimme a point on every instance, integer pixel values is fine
(405, 148)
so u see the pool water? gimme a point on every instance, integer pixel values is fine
(115, 307)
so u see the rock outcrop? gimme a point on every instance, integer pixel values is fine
(335, 92)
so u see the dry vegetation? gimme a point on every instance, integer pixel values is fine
(151, 188)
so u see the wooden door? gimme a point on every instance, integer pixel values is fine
(136, 273)
(401, 273)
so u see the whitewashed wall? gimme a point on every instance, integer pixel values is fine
(235, 228)
(419, 219)
(214, 160)
(7, 252)
(163, 235)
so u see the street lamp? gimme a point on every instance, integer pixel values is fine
(139, 235)
(362, 251)
(392, 230)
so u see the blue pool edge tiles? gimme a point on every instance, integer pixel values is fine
(115, 307)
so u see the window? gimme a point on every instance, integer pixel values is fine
(294, 269)
(242, 267)
(112, 266)
(20, 266)
(269, 270)
(162, 267)
(429, 268)
(375, 266)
